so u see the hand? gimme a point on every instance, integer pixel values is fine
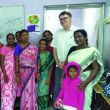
(83, 85)
(47, 81)
(38, 77)
(6, 79)
(17, 79)
(61, 65)
(56, 105)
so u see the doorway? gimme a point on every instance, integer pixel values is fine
(85, 16)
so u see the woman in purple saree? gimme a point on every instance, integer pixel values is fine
(26, 64)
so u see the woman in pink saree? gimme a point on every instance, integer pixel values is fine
(8, 82)
(26, 63)
(1, 45)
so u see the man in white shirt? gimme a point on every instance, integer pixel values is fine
(63, 40)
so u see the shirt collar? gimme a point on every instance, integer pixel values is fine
(71, 28)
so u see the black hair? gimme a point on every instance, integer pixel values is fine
(22, 31)
(9, 35)
(83, 32)
(43, 40)
(48, 32)
(72, 66)
(65, 13)
(17, 33)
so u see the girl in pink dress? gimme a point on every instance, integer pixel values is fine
(70, 96)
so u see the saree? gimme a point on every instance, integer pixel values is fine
(52, 81)
(8, 90)
(84, 58)
(27, 70)
(46, 60)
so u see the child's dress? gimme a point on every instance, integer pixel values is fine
(70, 95)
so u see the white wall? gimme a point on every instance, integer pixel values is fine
(35, 6)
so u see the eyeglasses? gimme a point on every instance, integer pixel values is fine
(64, 18)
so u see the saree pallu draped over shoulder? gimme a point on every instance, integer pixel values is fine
(27, 71)
(84, 58)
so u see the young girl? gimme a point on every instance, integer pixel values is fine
(46, 61)
(70, 96)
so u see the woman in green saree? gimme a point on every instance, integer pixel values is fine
(46, 61)
(90, 62)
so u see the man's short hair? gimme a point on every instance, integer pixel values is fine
(65, 13)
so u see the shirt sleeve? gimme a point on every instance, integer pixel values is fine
(72, 49)
(54, 43)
